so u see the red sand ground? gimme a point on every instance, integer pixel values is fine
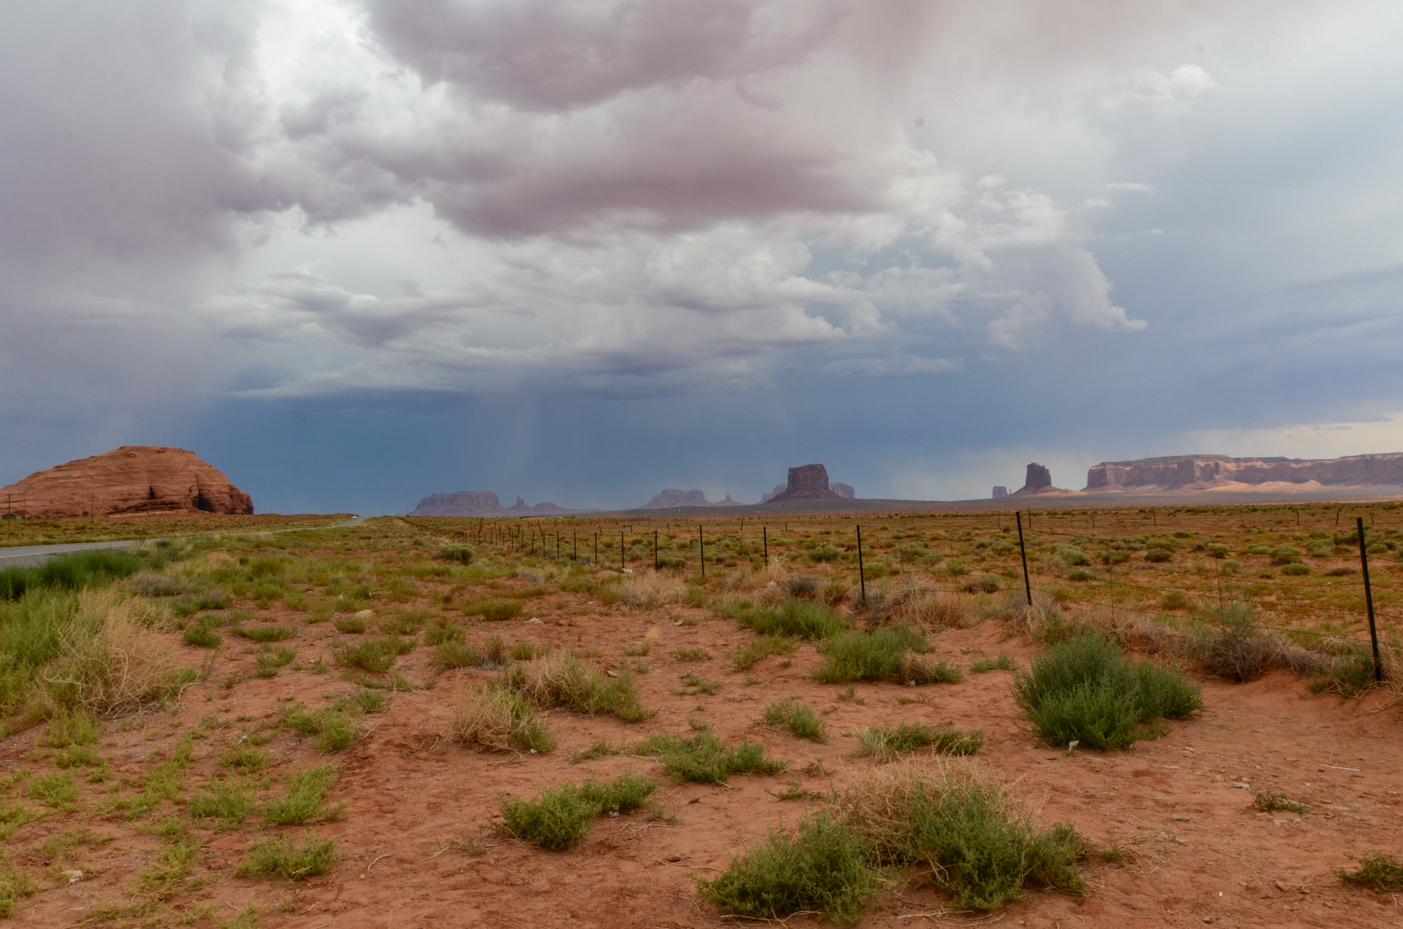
(1203, 855)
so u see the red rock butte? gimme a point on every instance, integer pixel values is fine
(807, 482)
(133, 479)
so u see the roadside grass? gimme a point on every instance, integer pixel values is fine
(799, 718)
(887, 742)
(74, 571)
(373, 655)
(560, 817)
(228, 801)
(330, 729)
(1084, 690)
(984, 665)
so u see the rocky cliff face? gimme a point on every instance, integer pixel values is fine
(131, 479)
(1038, 481)
(808, 482)
(1207, 472)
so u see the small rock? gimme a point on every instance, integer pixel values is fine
(73, 877)
(1181, 817)
(1282, 886)
(534, 619)
(364, 614)
(674, 857)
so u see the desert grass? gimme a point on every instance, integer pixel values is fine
(799, 718)
(917, 668)
(704, 759)
(1267, 801)
(756, 650)
(286, 858)
(887, 742)
(819, 867)
(563, 680)
(981, 846)
(803, 619)
(305, 799)
(916, 601)
(1085, 691)
(867, 655)
(111, 663)
(651, 590)
(495, 719)
(560, 817)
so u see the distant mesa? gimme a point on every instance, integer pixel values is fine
(673, 497)
(806, 483)
(482, 503)
(1038, 481)
(1208, 473)
(131, 480)
(1000, 491)
(842, 490)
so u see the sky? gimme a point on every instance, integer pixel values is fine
(355, 252)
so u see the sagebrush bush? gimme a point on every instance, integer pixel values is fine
(867, 655)
(916, 668)
(495, 719)
(493, 610)
(759, 649)
(1085, 690)
(1377, 870)
(374, 655)
(560, 817)
(704, 759)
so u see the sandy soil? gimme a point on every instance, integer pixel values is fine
(417, 803)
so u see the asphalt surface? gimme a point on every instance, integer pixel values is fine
(24, 556)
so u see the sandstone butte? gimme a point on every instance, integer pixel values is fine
(1187, 473)
(807, 482)
(133, 479)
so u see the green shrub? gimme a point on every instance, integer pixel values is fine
(982, 849)
(493, 610)
(202, 636)
(916, 668)
(759, 649)
(245, 758)
(14, 884)
(72, 728)
(293, 860)
(1285, 554)
(1218, 550)
(1269, 802)
(797, 717)
(803, 619)
(984, 665)
(560, 817)
(562, 680)
(269, 662)
(1175, 600)
(442, 632)
(263, 633)
(305, 798)
(1295, 569)
(821, 867)
(495, 719)
(462, 554)
(353, 624)
(1376, 870)
(705, 760)
(228, 801)
(374, 655)
(1072, 557)
(1233, 647)
(692, 654)
(887, 743)
(1159, 555)
(331, 729)
(1084, 690)
(453, 654)
(1348, 674)
(866, 655)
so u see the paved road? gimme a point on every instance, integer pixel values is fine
(23, 556)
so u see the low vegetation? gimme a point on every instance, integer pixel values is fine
(560, 817)
(1085, 691)
(887, 742)
(495, 719)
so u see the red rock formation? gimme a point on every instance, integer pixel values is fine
(1038, 481)
(1206, 472)
(672, 496)
(131, 479)
(808, 482)
(462, 503)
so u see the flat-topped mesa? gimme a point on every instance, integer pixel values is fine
(130, 480)
(1000, 491)
(844, 490)
(807, 482)
(1207, 472)
(673, 497)
(462, 503)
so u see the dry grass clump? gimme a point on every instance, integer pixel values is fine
(926, 668)
(918, 602)
(496, 720)
(562, 680)
(650, 590)
(982, 847)
(112, 662)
